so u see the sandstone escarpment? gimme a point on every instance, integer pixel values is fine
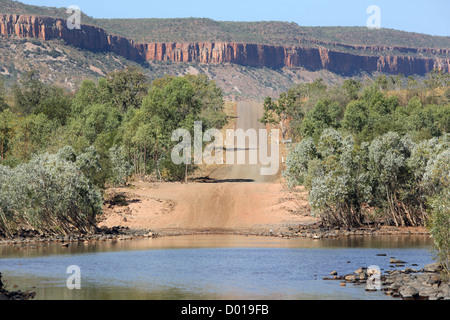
(338, 58)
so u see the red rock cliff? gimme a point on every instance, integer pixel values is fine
(316, 57)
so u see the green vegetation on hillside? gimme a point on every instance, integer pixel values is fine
(264, 32)
(17, 7)
(59, 149)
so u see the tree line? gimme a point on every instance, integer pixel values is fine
(60, 149)
(371, 152)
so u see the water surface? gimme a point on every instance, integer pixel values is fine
(207, 267)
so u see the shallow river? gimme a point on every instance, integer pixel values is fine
(207, 267)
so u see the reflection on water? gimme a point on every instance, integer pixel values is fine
(207, 267)
(214, 241)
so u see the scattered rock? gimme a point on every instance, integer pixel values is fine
(433, 279)
(333, 273)
(428, 291)
(409, 270)
(445, 288)
(396, 261)
(407, 284)
(360, 270)
(395, 286)
(363, 276)
(433, 267)
(408, 292)
(350, 278)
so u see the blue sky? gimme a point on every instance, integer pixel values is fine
(423, 16)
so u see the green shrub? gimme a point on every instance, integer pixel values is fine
(439, 226)
(121, 166)
(332, 173)
(298, 161)
(50, 194)
(391, 174)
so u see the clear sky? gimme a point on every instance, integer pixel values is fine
(423, 16)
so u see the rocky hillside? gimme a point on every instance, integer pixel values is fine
(188, 30)
(66, 65)
(314, 55)
(246, 59)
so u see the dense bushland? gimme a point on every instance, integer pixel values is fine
(59, 149)
(391, 177)
(371, 152)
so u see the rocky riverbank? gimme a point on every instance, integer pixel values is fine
(315, 231)
(102, 234)
(311, 231)
(427, 283)
(15, 294)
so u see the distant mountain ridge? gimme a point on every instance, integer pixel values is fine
(188, 30)
(312, 57)
(345, 51)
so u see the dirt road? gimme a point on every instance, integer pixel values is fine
(234, 197)
(248, 114)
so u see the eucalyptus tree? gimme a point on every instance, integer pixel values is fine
(128, 88)
(32, 134)
(3, 104)
(277, 113)
(8, 122)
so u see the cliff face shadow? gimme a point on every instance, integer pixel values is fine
(237, 149)
(121, 199)
(211, 180)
